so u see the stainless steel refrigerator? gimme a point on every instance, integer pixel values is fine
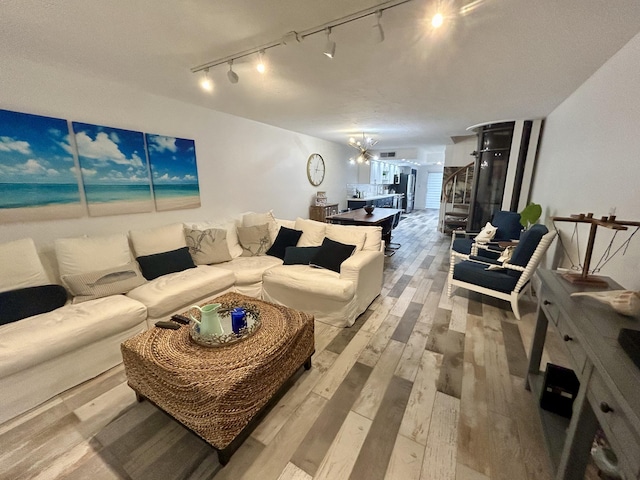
(407, 186)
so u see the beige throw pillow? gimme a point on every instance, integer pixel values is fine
(254, 240)
(207, 246)
(252, 219)
(102, 283)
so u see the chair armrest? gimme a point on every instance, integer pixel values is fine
(494, 263)
(463, 232)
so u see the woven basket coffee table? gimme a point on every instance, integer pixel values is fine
(217, 391)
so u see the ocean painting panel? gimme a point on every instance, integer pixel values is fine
(114, 170)
(38, 177)
(174, 172)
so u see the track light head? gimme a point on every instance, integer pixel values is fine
(231, 75)
(330, 47)
(206, 82)
(261, 66)
(437, 20)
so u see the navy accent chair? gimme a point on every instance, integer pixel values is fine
(508, 280)
(508, 229)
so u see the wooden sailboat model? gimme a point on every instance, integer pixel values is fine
(610, 222)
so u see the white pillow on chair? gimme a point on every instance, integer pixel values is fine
(486, 234)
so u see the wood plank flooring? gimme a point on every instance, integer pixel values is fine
(421, 387)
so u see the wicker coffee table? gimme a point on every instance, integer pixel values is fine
(219, 392)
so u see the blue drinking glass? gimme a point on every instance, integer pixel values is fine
(238, 320)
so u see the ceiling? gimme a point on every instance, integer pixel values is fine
(501, 59)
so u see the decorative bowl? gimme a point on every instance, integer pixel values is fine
(369, 209)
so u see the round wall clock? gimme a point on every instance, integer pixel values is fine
(315, 169)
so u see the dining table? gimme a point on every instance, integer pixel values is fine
(379, 217)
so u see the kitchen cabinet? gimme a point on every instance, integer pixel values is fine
(380, 201)
(377, 172)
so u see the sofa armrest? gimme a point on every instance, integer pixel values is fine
(365, 269)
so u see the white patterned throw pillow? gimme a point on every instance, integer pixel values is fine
(254, 240)
(207, 246)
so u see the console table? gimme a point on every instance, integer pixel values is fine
(609, 391)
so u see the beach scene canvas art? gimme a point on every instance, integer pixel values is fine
(38, 176)
(174, 172)
(114, 170)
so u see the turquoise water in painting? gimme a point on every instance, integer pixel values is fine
(17, 195)
(173, 191)
(116, 193)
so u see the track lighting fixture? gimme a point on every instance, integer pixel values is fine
(261, 66)
(206, 82)
(231, 75)
(377, 28)
(293, 37)
(330, 47)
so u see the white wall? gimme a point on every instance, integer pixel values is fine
(589, 159)
(459, 154)
(242, 165)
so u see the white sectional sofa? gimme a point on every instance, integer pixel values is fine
(112, 298)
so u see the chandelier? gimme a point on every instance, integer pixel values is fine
(363, 146)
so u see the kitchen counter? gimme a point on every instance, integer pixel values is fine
(386, 200)
(374, 197)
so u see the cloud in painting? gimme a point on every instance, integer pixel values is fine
(8, 144)
(104, 148)
(158, 143)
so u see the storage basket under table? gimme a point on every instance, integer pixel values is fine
(216, 392)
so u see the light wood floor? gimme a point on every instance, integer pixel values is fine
(422, 387)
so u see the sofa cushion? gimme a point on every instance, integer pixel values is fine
(314, 281)
(102, 283)
(312, 232)
(207, 246)
(373, 241)
(158, 264)
(26, 302)
(249, 270)
(299, 255)
(157, 240)
(21, 265)
(331, 255)
(286, 238)
(348, 234)
(90, 254)
(255, 240)
(37, 339)
(168, 293)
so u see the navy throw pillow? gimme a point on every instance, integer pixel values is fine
(158, 264)
(26, 302)
(287, 237)
(331, 255)
(299, 255)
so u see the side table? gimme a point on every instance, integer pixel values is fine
(609, 380)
